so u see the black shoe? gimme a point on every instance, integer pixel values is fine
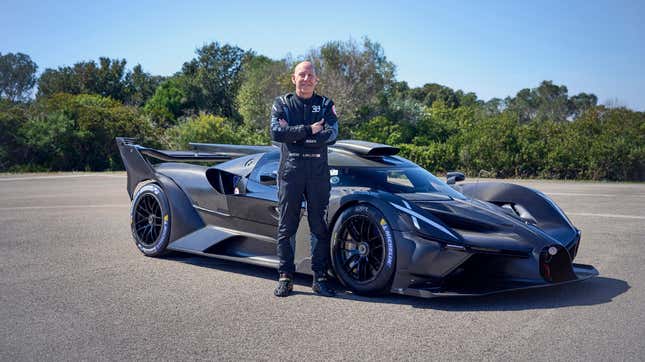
(285, 286)
(321, 286)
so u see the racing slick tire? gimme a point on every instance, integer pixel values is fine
(150, 219)
(363, 250)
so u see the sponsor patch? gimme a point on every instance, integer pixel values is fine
(334, 180)
(333, 172)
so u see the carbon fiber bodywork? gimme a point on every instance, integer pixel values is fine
(475, 239)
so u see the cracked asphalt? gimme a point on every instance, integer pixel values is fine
(73, 286)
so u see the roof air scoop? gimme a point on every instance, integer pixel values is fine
(366, 149)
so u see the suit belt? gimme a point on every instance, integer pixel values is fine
(310, 155)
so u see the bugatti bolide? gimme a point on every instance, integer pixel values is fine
(395, 226)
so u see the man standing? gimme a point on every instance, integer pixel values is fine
(305, 123)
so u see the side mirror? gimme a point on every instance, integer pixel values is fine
(268, 179)
(454, 176)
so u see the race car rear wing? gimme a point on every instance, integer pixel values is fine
(140, 168)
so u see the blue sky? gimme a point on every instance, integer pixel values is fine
(491, 48)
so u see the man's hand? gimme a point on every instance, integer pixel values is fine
(318, 126)
(283, 123)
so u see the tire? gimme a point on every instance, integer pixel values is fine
(150, 219)
(363, 250)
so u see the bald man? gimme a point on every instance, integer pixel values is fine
(304, 123)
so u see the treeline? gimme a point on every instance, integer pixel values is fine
(224, 95)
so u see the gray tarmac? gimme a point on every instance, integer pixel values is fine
(73, 286)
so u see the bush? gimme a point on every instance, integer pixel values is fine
(206, 128)
(77, 132)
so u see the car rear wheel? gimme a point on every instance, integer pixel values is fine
(362, 250)
(150, 220)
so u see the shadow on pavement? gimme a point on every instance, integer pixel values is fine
(597, 290)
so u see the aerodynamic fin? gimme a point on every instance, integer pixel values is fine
(366, 149)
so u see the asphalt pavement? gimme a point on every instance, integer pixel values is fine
(73, 286)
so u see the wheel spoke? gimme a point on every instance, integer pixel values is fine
(348, 263)
(149, 233)
(375, 267)
(363, 263)
(359, 268)
(353, 231)
(144, 205)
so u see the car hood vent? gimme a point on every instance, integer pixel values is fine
(465, 216)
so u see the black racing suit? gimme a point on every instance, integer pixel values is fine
(303, 172)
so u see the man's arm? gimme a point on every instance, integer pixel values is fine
(286, 134)
(329, 133)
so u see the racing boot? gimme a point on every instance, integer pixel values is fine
(321, 286)
(285, 285)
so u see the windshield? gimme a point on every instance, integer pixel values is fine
(401, 180)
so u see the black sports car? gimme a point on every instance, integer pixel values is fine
(395, 226)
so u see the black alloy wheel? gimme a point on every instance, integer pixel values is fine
(361, 248)
(148, 220)
(363, 251)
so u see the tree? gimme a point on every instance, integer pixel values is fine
(168, 102)
(353, 75)
(61, 80)
(263, 79)
(379, 129)
(547, 102)
(76, 132)
(213, 79)
(12, 115)
(17, 76)
(140, 86)
(582, 102)
(108, 78)
(432, 92)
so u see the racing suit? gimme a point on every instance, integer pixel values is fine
(303, 172)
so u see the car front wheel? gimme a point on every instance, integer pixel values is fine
(363, 251)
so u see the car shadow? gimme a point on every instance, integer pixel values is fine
(597, 290)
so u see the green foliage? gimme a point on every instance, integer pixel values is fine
(140, 86)
(11, 116)
(17, 76)
(77, 132)
(380, 130)
(213, 79)
(262, 81)
(109, 78)
(540, 132)
(353, 75)
(206, 128)
(549, 102)
(167, 103)
(436, 157)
